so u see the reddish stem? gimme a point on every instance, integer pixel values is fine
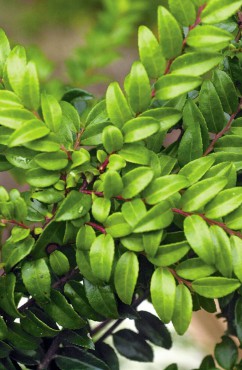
(14, 222)
(97, 227)
(104, 165)
(180, 280)
(78, 137)
(100, 194)
(67, 152)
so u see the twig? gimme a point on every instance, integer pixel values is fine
(14, 222)
(97, 227)
(51, 352)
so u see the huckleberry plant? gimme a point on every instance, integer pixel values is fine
(112, 215)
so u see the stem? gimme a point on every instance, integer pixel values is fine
(66, 151)
(223, 131)
(104, 165)
(100, 194)
(180, 280)
(51, 352)
(14, 222)
(97, 227)
(99, 327)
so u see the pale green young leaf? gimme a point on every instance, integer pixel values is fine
(49, 196)
(166, 116)
(236, 249)
(118, 109)
(125, 276)
(85, 237)
(226, 169)
(223, 255)
(215, 286)
(225, 202)
(167, 254)
(112, 139)
(184, 11)
(182, 314)
(151, 242)
(112, 184)
(70, 113)
(51, 111)
(28, 131)
(8, 99)
(15, 68)
(136, 180)
(52, 161)
(198, 236)
(195, 169)
(133, 242)
(171, 86)
(14, 118)
(30, 94)
(139, 90)
(4, 50)
(201, 193)
(83, 263)
(75, 205)
(133, 211)
(150, 53)
(47, 144)
(101, 257)
(226, 91)
(135, 153)
(101, 209)
(80, 157)
(139, 128)
(219, 10)
(116, 225)
(208, 38)
(163, 292)
(194, 268)
(41, 178)
(170, 35)
(234, 219)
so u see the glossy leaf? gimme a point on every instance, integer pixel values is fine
(223, 255)
(48, 196)
(167, 117)
(236, 249)
(77, 359)
(133, 211)
(41, 178)
(215, 287)
(51, 111)
(30, 93)
(195, 169)
(195, 64)
(208, 37)
(9, 99)
(167, 254)
(12, 253)
(194, 268)
(4, 51)
(75, 205)
(101, 257)
(15, 68)
(112, 139)
(112, 184)
(171, 86)
(226, 91)
(151, 242)
(59, 263)
(101, 209)
(85, 237)
(170, 35)
(163, 292)
(217, 11)
(14, 118)
(37, 324)
(125, 277)
(3, 329)
(135, 153)
(225, 202)
(7, 299)
(83, 263)
(133, 242)
(108, 355)
(158, 217)
(69, 113)
(29, 131)
(183, 11)
(52, 161)
(116, 225)
(182, 314)
(136, 180)
(226, 353)
(139, 128)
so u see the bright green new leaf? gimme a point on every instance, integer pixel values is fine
(163, 187)
(14, 252)
(117, 106)
(101, 209)
(236, 249)
(135, 153)
(133, 211)
(116, 225)
(166, 116)
(83, 263)
(75, 205)
(226, 91)
(133, 242)
(80, 157)
(201, 193)
(198, 236)
(116, 162)
(225, 202)
(167, 254)
(234, 219)
(14, 117)
(208, 38)
(59, 263)
(158, 217)
(163, 293)
(8, 99)
(41, 178)
(7, 299)
(182, 314)
(30, 93)
(85, 237)
(223, 254)
(4, 51)
(136, 180)
(52, 161)
(171, 86)
(229, 144)
(112, 184)
(215, 286)
(112, 139)
(194, 268)
(49, 196)
(194, 170)
(184, 11)
(28, 131)
(15, 69)
(217, 11)
(36, 278)
(195, 64)
(150, 53)
(126, 275)
(170, 35)
(139, 128)
(225, 169)
(151, 242)
(70, 113)
(47, 144)
(101, 257)
(51, 111)
(139, 91)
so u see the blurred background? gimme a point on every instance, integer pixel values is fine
(87, 44)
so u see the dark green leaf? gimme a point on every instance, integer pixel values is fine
(108, 355)
(226, 353)
(59, 263)
(7, 299)
(238, 318)
(38, 324)
(20, 339)
(14, 252)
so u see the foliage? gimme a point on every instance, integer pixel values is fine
(113, 216)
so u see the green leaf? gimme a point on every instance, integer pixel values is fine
(136, 180)
(199, 238)
(7, 299)
(76, 359)
(75, 205)
(51, 111)
(139, 128)
(48, 144)
(116, 162)
(85, 237)
(36, 278)
(151, 242)
(108, 355)
(217, 10)
(52, 161)
(170, 35)
(238, 318)
(14, 117)
(41, 178)
(133, 242)
(182, 314)
(117, 106)
(208, 38)
(101, 257)
(191, 146)
(37, 324)
(112, 139)
(236, 248)
(101, 209)
(3, 329)
(29, 131)
(30, 93)
(163, 292)
(194, 268)
(4, 51)
(125, 277)
(167, 254)
(183, 11)
(93, 133)
(150, 53)
(9, 99)
(171, 86)
(135, 153)
(102, 299)
(171, 367)
(207, 363)
(62, 312)
(49, 196)
(226, 352)
(15, 68)
(195, 64)
(14, 252)
(225, 202)
(225, 169)
(70, 114)
(226, 91)
(151, 328)
(196, 169)
(54, 231)
(201, 193)
(59, 263)
(83, 263)
(20, 339)
(133, 211)
(132, 346)
(215, 287)
(211, 108)
(158, 217)
(223, 255)
(112, 184)
(80, 157)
